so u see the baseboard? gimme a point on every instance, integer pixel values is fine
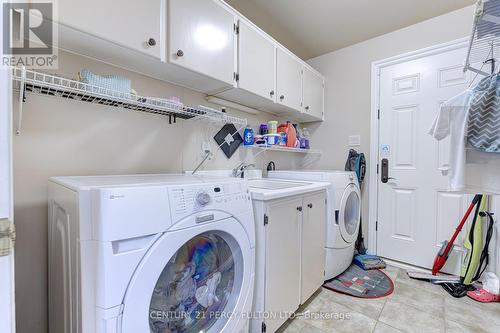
(405, 266)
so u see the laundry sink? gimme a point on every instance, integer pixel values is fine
(274, 184)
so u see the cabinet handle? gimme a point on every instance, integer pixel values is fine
(271, 93)
(310, 205)
(180, 53)
(282, 97)
(299, 208)
(307, 108)
(151, 42)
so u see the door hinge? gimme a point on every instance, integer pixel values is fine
(378, 113)
(236, 28)
(377, 168)
(376, 225)
(236, 76)
(266, 219)
(264, 327)
(7, 237)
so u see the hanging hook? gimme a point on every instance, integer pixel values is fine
(22, 99)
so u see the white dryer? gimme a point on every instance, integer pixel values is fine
(343, 214)
(150, 253)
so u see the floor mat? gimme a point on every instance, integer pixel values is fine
(360, 283)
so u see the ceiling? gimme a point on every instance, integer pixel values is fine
(311, 28)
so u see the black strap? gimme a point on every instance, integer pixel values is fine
(485, 256)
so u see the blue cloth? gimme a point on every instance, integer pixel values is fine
(109, 83)
(483, 131)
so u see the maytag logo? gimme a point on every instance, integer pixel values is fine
(116, 196)
(29, 34)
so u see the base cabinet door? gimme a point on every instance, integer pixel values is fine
(201, 38)
(288, 81)
(133, 24)
(312, 245)
(282, 291)
(313, 104)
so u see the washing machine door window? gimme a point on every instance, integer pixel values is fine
(350, 210)
(190, 281)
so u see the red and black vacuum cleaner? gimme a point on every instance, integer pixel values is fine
(445, 250)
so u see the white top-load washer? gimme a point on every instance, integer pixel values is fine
(150, 253)
(343, 214)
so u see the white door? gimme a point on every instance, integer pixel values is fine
(282, 291)
(256, 62)
(313, 94)
(189, 276)
(313, 245)
(415, 212)
(202, 38)
(6, 205)
(134, 24)
(288, 80)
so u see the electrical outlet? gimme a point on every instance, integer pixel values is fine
(205, 147)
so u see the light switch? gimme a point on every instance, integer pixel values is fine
(355, 140)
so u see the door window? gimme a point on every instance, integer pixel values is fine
(351, 213)
(195, 286)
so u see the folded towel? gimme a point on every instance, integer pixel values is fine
(106, 84)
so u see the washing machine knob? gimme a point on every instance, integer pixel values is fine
(351, 177)
(203, 198)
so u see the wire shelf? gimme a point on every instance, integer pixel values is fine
(484, 43)
(28, 81)
(284, 149)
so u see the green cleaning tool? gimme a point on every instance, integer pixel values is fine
(473, 246)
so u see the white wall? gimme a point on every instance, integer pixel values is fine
(62, 137)
(348, 84)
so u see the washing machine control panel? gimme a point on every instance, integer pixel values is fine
(189, 199)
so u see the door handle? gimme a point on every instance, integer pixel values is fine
(310, 205)
(299, 208)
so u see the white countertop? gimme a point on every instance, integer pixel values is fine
(295, 188)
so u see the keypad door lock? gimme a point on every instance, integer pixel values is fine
(385, 170)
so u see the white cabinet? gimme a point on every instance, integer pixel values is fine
(312, 245)
(282, 292)
(313, 86)
(256, 69)
(290, 255)
(256, 62)
(201, 38)
(288, 81)
(133, 24)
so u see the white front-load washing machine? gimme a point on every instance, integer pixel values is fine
(343, 214)
(150, 253)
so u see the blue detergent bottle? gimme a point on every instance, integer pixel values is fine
(248, 136)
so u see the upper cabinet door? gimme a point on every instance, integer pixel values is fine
(256, 62)
(201, 38)
(133, 24)
(313, 94)
(288, 80)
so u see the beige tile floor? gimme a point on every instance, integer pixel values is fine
(414, 306)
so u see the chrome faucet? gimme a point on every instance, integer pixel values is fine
(239, 171)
